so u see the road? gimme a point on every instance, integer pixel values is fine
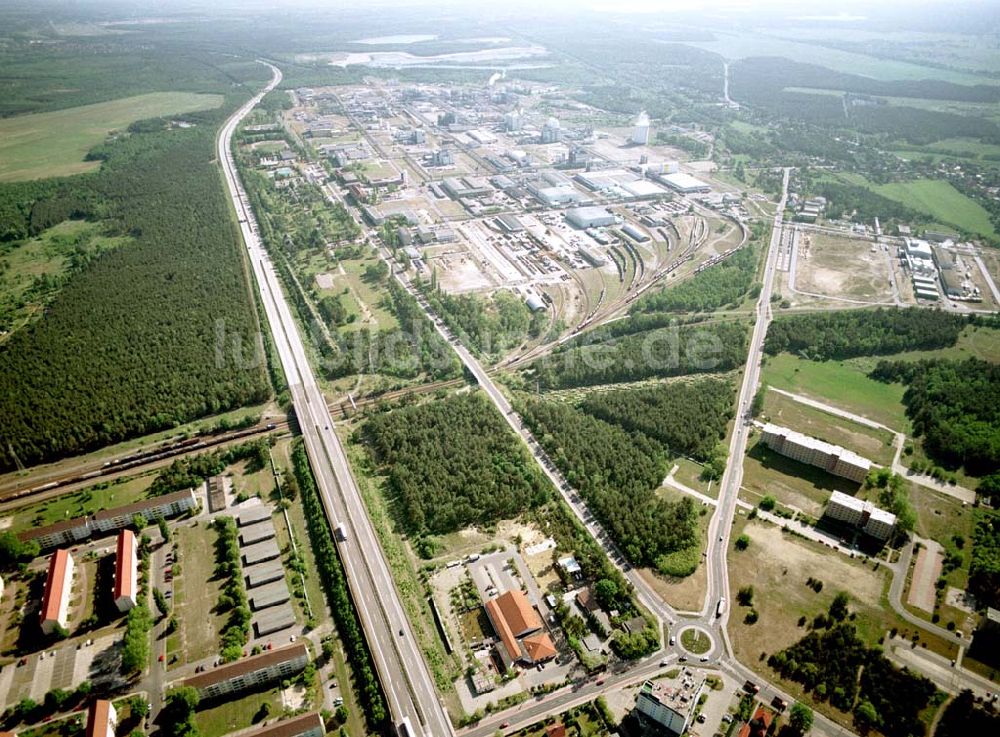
(721, 525)
(402, 671)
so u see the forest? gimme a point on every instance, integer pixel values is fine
(836, 335)
(827, 662)
(452, 463)
(688, 418)
(617, 473)
(723, 284)
(131, 345)
(954, 407)
(672, 351)
(487, 327)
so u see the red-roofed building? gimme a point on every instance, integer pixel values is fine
(518, 626)
(758, 726)
(58, 587)
(126, 571)
(102, 719)
(555, 730)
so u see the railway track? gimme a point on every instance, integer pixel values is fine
(174, 448)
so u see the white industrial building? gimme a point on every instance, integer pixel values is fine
(513, 121)
(805, 449)
(551, 131)
(864, 515)
(640, 129)
(589, 217)
(684, 183)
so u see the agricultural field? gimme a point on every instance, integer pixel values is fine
(941, 201)
(54, 144)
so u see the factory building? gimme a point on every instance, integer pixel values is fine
(126, 571)
(58, 588)
(861, 514)
(669, 708)
(442, 157)
(634, 233)
(534, 302)
(102, 719)
(512, 121)
(462, 187)
(589, 217)
(551, 131)
(919, 257)
(640, 130)
(683, 183)
(253, 672)
(805, 449)
(591, 257)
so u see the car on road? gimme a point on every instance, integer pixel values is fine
(599, 682)
(704, 658)
(779, 703)
(751, 687)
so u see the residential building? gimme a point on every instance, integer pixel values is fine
(66, 532)
(254, 672)
(570, 566)
(519, 628)
(305, 725)
(102, 719)
(669, 704)
(126, 571)
(152, 509)
(864, 515)
(58, 588)
(806, 449)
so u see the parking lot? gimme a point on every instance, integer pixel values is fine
(62, 667)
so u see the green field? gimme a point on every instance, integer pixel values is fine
(840, 383)
(941, 201)
(54, 144)
(81, 503)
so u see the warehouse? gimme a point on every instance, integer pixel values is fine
(634, 233)
(256, 533)
(272, 620)
(589, 217)
(253, 515)
(510, 223)
(263, 573)
(684, 183)
(268, 595)
(263, 551)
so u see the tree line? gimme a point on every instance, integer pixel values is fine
(452, 463)
(672, 351)
(984, 567)
(487, 327)
(954, 407)
(617, 473)
(843, 334)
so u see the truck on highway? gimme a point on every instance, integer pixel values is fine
(720, 608)
(341, 532)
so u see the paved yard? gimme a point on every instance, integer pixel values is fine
(925, 574)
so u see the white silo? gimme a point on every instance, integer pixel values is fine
(640, 131)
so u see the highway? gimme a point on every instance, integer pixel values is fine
(722, 522)
(402, 671)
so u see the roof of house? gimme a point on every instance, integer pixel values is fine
(539, 646)
(97, 720)
(291, 727)
(556, 730)
(125, 565)
(247, 665)
(503, 629)
(56, 582)
(518, 612)
(759, 725)
(36, 532)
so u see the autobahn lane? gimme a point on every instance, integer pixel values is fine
(402, 671)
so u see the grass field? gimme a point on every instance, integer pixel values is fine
(841, 383)
(196, 593)
(228, 716)
(54, 144)
(81, 503)
(941, 201)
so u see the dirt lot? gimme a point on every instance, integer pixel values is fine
(197, 591)
(842, 267)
